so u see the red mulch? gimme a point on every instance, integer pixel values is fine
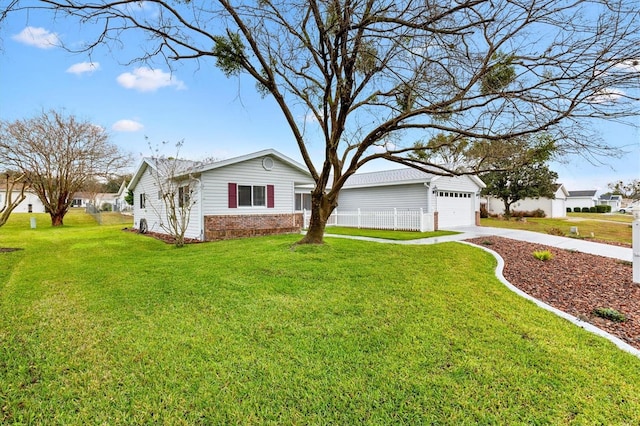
(576, 283)
(162, 237)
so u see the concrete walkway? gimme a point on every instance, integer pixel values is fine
(615, 252)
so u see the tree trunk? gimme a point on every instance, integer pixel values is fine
(56, 219)
(507, 210)
(321, 208)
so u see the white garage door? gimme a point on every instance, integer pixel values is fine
(455, 209)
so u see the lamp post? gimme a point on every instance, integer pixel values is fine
(635, 229)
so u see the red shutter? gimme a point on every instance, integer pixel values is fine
(233, 195)
(270, 197)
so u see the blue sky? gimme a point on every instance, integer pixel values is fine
(215, 116)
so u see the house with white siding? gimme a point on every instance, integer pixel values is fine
(582, 198)
(444, 201)
(552, 207)
(255, 194)
(31, 204)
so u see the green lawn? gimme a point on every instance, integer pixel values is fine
(385, 234)
(101, 326)
(615, 228)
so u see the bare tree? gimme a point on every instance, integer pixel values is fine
(629, 189)
(176, 182)
(371, 75)
(12, 182)
(58, 154)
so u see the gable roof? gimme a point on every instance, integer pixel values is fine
(611, 197)
(253, 155)
(585, 193)
(396, 177)
(185, 167)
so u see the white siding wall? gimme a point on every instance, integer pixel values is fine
(580, 202)
(551, 208)
(155, 212)
(23, 207)
(412, 196)
(215, 182)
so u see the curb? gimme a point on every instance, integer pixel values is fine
(582, 324)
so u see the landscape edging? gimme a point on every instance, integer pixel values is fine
(582, 324)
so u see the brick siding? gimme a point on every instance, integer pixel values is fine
(241, 226)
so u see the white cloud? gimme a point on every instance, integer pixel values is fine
(83, 67)
(631, 65)
(127, 126)
(606, 96)
(145, 79)
(38, 37)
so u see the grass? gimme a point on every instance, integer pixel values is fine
(386, 234)
(100, 326)
(602, 229)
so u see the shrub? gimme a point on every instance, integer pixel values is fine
(592, 209)
(538, 213)
(610, 314)
(585, 210)
(555, 231)
(607, 209)
(543, 255)
(576, 209)
(601, 209)
(106, 207)
(568, 209)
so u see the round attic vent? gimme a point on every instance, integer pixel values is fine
(267, 163)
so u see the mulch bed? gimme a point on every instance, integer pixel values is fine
(576, 283)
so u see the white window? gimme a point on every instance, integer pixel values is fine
(303, 202)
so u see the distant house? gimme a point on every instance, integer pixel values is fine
(446, 201)
(552, 207)
(615, 201)
(120, 202)
(31, 204)
(582, 198)
(255, 194)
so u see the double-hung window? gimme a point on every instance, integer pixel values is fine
(252, 196)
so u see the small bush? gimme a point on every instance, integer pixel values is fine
(576, 209)
(601, 209)
(592, 209)
(610, 314)
(487, 243)
(607, 209)
(555, 231)
(525, 213)
(543, 255)
(568, 209)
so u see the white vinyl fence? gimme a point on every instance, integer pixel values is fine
(395, 219)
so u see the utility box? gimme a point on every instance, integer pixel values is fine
(33, 223)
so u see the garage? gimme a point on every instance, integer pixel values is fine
(455, 209)
(454, 200)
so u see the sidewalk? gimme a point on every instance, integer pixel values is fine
(606, 250)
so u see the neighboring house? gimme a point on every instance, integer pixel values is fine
(31, 204)
(120, 203)
(255, 194)
(583, 198)
(447, 201)
(615, 201)
(552, 207)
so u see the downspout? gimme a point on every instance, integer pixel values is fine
(201, 215)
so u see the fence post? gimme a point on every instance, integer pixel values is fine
(395, 219)
(421, 220)
(358, 218)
